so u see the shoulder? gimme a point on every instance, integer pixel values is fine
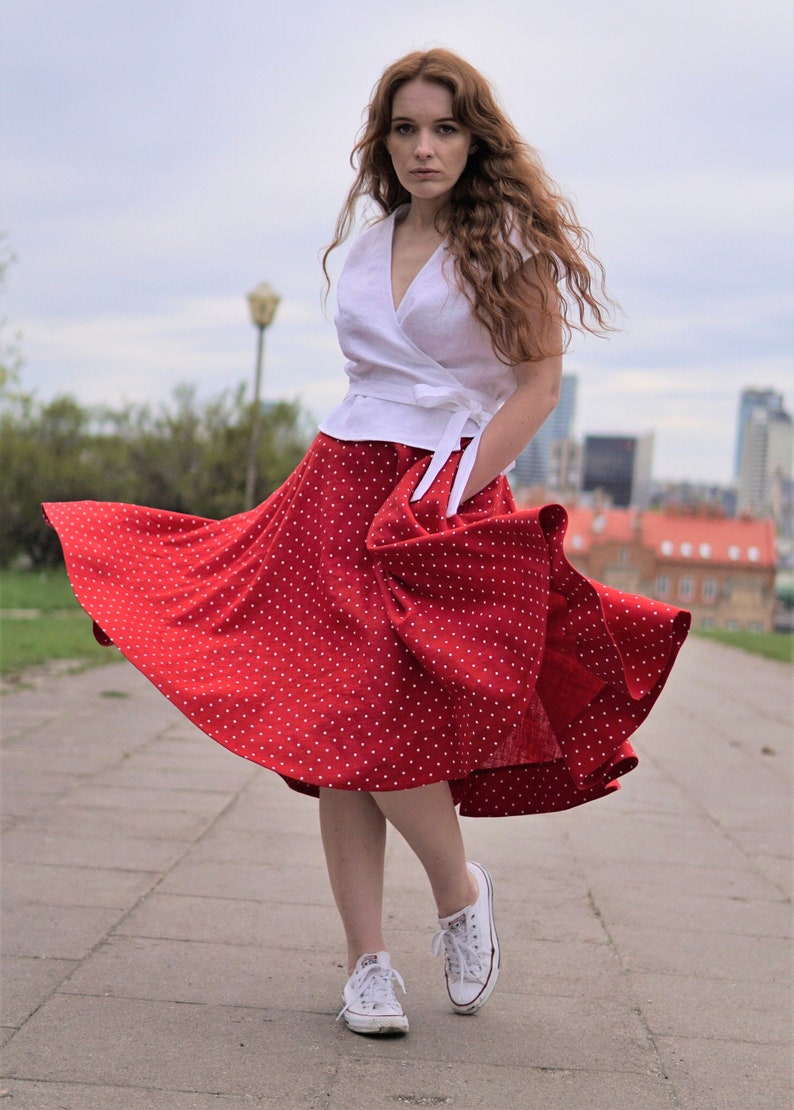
(374, 235)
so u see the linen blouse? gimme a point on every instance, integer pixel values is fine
(424, 374)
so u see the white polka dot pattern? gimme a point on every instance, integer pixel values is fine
(343, 637)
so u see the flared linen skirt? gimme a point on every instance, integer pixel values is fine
(344, 637)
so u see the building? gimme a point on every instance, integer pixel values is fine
(766, 461)
(722, 570)
(618, 469)
(751, 401)
(535, 466)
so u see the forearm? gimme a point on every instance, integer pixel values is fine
(516, 422)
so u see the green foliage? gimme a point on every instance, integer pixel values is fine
(771, 645)
(185, 456)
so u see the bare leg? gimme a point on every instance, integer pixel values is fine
(354, 838)
(426, 818)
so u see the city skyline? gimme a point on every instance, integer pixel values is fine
(191, 153)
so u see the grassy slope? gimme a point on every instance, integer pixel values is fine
(51, 625)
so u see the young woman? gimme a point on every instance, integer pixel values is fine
(386, 631)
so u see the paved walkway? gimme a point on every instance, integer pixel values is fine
(171, 943)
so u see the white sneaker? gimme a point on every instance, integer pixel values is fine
(370, 1004)
(472, 948)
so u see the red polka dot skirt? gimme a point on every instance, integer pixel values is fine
(343, 637)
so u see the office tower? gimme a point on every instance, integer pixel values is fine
(766, 462)
(619, 467)
(750, 401)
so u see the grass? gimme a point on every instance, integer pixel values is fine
(772, 645)
(41, 622)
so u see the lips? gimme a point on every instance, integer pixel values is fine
(424, 173)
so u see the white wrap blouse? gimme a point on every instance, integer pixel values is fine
(424, 374)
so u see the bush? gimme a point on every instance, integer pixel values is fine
(184, 456)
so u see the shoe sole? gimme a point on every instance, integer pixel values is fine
(487, 990)
(377, 1027)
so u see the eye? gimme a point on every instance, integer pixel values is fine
(448, 129)
(402, 128)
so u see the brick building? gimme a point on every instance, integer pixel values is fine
(723, 570)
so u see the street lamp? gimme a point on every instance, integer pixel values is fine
(263, 302)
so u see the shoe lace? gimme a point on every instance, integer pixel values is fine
(463, 959)
(375, 986)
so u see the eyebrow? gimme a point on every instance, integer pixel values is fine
(409, 119)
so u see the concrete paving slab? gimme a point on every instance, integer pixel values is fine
(56, 885)
(714, 1009)
(54, 932)
(683, 881)
(173, 1046)
(248, 881)
(238, 922)
(25, 843)
(26, 982)
(731, 1074)
(361, 1083)
(707, 955)
(709, 913)
(79, 1096)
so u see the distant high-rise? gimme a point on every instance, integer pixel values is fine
(532, 465)
(766, 462)
(620, 468)
(751, 401)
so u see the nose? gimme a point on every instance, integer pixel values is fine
(424, 145)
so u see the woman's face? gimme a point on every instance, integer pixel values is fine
(428, 147)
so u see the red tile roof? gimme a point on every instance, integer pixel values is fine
(693, 539)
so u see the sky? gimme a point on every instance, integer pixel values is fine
(160, 160)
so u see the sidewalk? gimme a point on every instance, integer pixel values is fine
(171, 944)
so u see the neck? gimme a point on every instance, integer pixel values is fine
(422, 214)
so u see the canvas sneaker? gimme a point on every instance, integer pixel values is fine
(370, 1003)
(471, 947)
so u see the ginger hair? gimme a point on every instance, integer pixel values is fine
(503, 193)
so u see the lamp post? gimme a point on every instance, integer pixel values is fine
(263, 302)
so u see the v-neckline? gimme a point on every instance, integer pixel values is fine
(396, 307)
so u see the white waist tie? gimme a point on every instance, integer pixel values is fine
(462, 404)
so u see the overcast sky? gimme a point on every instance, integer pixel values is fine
(160, 159)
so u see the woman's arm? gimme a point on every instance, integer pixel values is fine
(517, 421)
(523, 413)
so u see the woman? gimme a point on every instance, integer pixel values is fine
(386, 631)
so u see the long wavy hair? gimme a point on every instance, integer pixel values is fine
(503, 193)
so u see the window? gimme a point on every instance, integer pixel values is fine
(668, 547)
(705, 551)
(710, 589)
(686, 589)
(686, 549)
(708, 622)
(624, 555)
(753, 554)
(663, 585)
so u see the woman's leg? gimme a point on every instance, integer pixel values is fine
(354, 838)
(426, 818)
